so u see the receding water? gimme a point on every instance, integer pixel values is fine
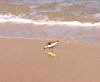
(76, 20)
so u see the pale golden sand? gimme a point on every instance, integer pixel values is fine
(24, 60)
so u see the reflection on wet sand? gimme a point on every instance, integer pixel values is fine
(50, 54)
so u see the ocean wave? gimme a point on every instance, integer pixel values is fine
(18, 19)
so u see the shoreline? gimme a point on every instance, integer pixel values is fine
(69, 41)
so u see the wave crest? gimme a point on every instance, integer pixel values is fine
(19, 19)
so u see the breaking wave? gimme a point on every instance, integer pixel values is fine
(19, 19)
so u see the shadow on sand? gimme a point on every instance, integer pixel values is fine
(50, 53)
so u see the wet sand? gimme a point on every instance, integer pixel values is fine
(24, 60)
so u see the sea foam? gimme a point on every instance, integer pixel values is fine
(19, 19)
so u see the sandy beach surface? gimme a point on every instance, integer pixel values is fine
(24, 60)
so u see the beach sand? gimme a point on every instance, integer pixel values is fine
(24, 60)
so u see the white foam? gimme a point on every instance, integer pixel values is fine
(18, 19)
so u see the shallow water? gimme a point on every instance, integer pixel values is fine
(73, 20)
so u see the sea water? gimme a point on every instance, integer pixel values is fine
(69, 20)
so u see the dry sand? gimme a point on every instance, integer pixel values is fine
(24, 60)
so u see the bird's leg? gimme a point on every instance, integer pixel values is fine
(52, 49)
(44, 49)
(49, 48)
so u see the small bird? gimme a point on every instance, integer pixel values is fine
(51, 45)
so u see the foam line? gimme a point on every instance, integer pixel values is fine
(18, 19)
